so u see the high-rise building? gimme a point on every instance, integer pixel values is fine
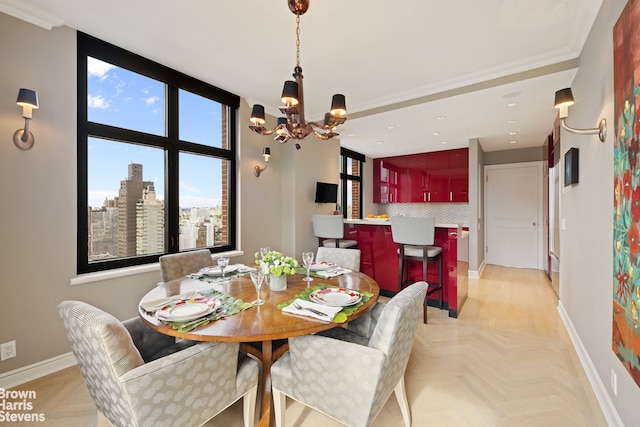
(128, 196)
(149, 223)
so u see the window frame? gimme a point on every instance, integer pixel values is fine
(345, 178)
(89, 46)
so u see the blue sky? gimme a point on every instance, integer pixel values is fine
(121, 98)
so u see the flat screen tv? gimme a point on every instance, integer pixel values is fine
(326, 192)
(571, 167)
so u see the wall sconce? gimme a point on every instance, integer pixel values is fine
(564, 99)
(266, 152)
(28, 100)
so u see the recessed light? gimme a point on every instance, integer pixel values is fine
(349, 134)
(389, 127)
(440, 118)
(436, 133)
(380, 142)
(512, 142)
(445, 142)
(512, 104)
(512, 121)
(513, 133)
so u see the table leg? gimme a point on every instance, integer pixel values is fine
(265, 404)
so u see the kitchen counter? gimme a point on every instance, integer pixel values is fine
(379, 259)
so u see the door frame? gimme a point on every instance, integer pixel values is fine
(539, 214)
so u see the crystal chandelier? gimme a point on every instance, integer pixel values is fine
(293, 125)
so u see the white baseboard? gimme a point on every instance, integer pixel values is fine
(476, 274)
(608, 409)
(37, 370)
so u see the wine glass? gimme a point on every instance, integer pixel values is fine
(307, 260)
(223, 262)
(264, 251)
(257, 277)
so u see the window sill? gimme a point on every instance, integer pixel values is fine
(100, 276)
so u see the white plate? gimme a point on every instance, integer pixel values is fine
(336, 297)
(215, 271)
(188, 310)
(319, 266)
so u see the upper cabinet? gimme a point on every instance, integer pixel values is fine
(439, 176)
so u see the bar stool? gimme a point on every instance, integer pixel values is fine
(329, 229)
(415, 237)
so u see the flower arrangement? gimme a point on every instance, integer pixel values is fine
(277, 263)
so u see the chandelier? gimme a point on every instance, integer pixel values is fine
(293, 125)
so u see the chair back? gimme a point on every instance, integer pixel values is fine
(394, 335)
(328, 226)
(174, 266)
(104, 351)
(347, 258)
(418, 231)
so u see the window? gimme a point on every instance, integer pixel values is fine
(351, 183)
(156, 155)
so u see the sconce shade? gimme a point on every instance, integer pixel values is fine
(257, 115)
(338, 105)
(266, 151)
(564, 97)
(290, 93)
(27, 98)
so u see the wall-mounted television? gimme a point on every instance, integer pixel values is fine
(571, 166)
(326, 192)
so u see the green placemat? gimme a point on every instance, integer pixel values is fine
(343, 314)
(228, 307)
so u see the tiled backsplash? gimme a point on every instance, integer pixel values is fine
(442, 212)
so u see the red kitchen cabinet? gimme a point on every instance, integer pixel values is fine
(459, 175)
(438, 176)
(391, 182)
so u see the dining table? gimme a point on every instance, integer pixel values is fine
(261, 330)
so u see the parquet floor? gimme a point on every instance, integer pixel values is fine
(506, 361)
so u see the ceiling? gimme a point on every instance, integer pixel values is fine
(418, 75)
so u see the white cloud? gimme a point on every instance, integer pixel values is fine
(96, 198)
(189, 188)
(97, 102)
(152, 100)
(98, 68)
(199, 202)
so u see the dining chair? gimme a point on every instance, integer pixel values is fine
(415, 237)
(174, 266)
(329, 229)
(140, 377)
(347, 258)
(365, 361)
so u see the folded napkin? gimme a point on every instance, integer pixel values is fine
(155, 305)
(332, 272)
(318, 309)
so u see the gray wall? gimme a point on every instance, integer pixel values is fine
(520, 155)
(38, 189)
(586, 249)
(476, 208)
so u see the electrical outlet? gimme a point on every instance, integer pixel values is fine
(614, 383)
(7, 350)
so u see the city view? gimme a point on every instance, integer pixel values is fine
(132, 223)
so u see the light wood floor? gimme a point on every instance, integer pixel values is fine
(506, 361)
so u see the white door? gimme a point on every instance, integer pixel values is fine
(513, 212)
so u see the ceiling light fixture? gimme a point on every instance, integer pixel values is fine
(294, 124)
(564, 99)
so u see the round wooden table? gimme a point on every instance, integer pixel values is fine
(262, 330)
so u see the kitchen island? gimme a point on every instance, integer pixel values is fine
(379, 259)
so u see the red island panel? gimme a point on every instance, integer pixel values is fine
(379, 259)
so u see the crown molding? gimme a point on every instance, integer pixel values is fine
(31, 14)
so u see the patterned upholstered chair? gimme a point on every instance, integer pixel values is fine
(138, 380)
(347, 258)
(173, 266)
(372, 351)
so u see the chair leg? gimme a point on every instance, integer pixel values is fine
(401, 263)
(425, 261)
(249, 406)
(401, 396)
(440, 280)
(279, 406)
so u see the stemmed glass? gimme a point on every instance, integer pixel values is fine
(223, 262)
(307, 260)
(263, 252)
(257, 277)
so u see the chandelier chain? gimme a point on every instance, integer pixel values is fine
(298, 40)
